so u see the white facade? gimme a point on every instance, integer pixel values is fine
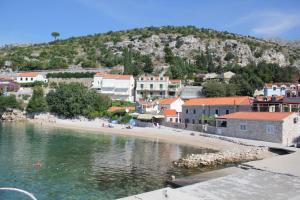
(173, 103)
(152, 87)
(30, 77)
(119, 87)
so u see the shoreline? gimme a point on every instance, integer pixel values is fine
(163, 134)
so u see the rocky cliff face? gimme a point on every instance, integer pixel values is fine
(189, 46)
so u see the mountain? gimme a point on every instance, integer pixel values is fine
(138, 45)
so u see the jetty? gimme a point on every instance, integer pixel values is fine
(273, 178)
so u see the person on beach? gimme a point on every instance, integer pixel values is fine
(37, 165)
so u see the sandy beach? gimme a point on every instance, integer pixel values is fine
(164, 134)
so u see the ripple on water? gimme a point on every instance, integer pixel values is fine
(83, 166)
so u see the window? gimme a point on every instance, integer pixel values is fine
(216, 111)
(187, 111)
(243, 127)
(227, 112)
(171, 119)
(142, 93)
(142, 78)
(203, 111)
(151, 86)
(21, 79)
(193, 121)
(151, 78)
(270, 129)
(26, 79)
(274, 88)
(32, 79)
(176, 120)
(161, 93)
(151, 93)
(142, 86)
(194, 111)
(161, 86)
(161, 78)
(187, 121)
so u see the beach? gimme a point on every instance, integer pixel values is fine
(162, 133)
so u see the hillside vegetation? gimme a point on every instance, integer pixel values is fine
(140, 49)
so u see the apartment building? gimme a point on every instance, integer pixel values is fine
(119, 87)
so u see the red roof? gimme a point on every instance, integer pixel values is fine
(237, 100)
(113, 76)
(175, 81)
(169, 112)
(266, 116)
(28, 74)
(167, 101)
(115, 108)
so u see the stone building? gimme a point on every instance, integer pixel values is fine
(278, 127)
(30, 77)
(195, 111)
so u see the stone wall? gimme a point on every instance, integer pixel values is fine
(255, 130)
(85, 81)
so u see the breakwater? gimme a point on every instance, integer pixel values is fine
(220, 158)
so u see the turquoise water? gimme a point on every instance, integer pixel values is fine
(76, 165)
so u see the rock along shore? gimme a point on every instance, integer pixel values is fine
(13, 115)
(224, 157)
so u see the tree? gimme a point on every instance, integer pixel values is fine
(73, 100)
(148, 67)
(55, 35)
(37, 103)
(169, 56)
(214, 89)
(8, 102)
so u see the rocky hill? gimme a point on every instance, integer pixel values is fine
(114, 48)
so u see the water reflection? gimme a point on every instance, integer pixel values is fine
(84, 166)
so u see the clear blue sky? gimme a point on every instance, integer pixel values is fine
(24, 21)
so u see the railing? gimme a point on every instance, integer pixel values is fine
(20, 191)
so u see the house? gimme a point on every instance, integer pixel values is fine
(226, 76)
(119, 87)
(278, 89)
(195, 110)
(8, 84)
(171, 115)
(171, 103)
(147, 106)
(191, 92)
(151, 87)
(268, 104)
(211, 76)
(30, 77)
(278, 127)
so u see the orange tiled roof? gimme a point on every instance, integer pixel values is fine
(167, 101)
(115, 108)
(113, 76)
(169, 112)
(237, 100)
(175, 81)
(269, 98)
(28, 74)
(266, 116)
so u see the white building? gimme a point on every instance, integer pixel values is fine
(171, 103)
(30, 77)
(119, 87)
(152, 87)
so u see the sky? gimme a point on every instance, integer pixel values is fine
(32, 21)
